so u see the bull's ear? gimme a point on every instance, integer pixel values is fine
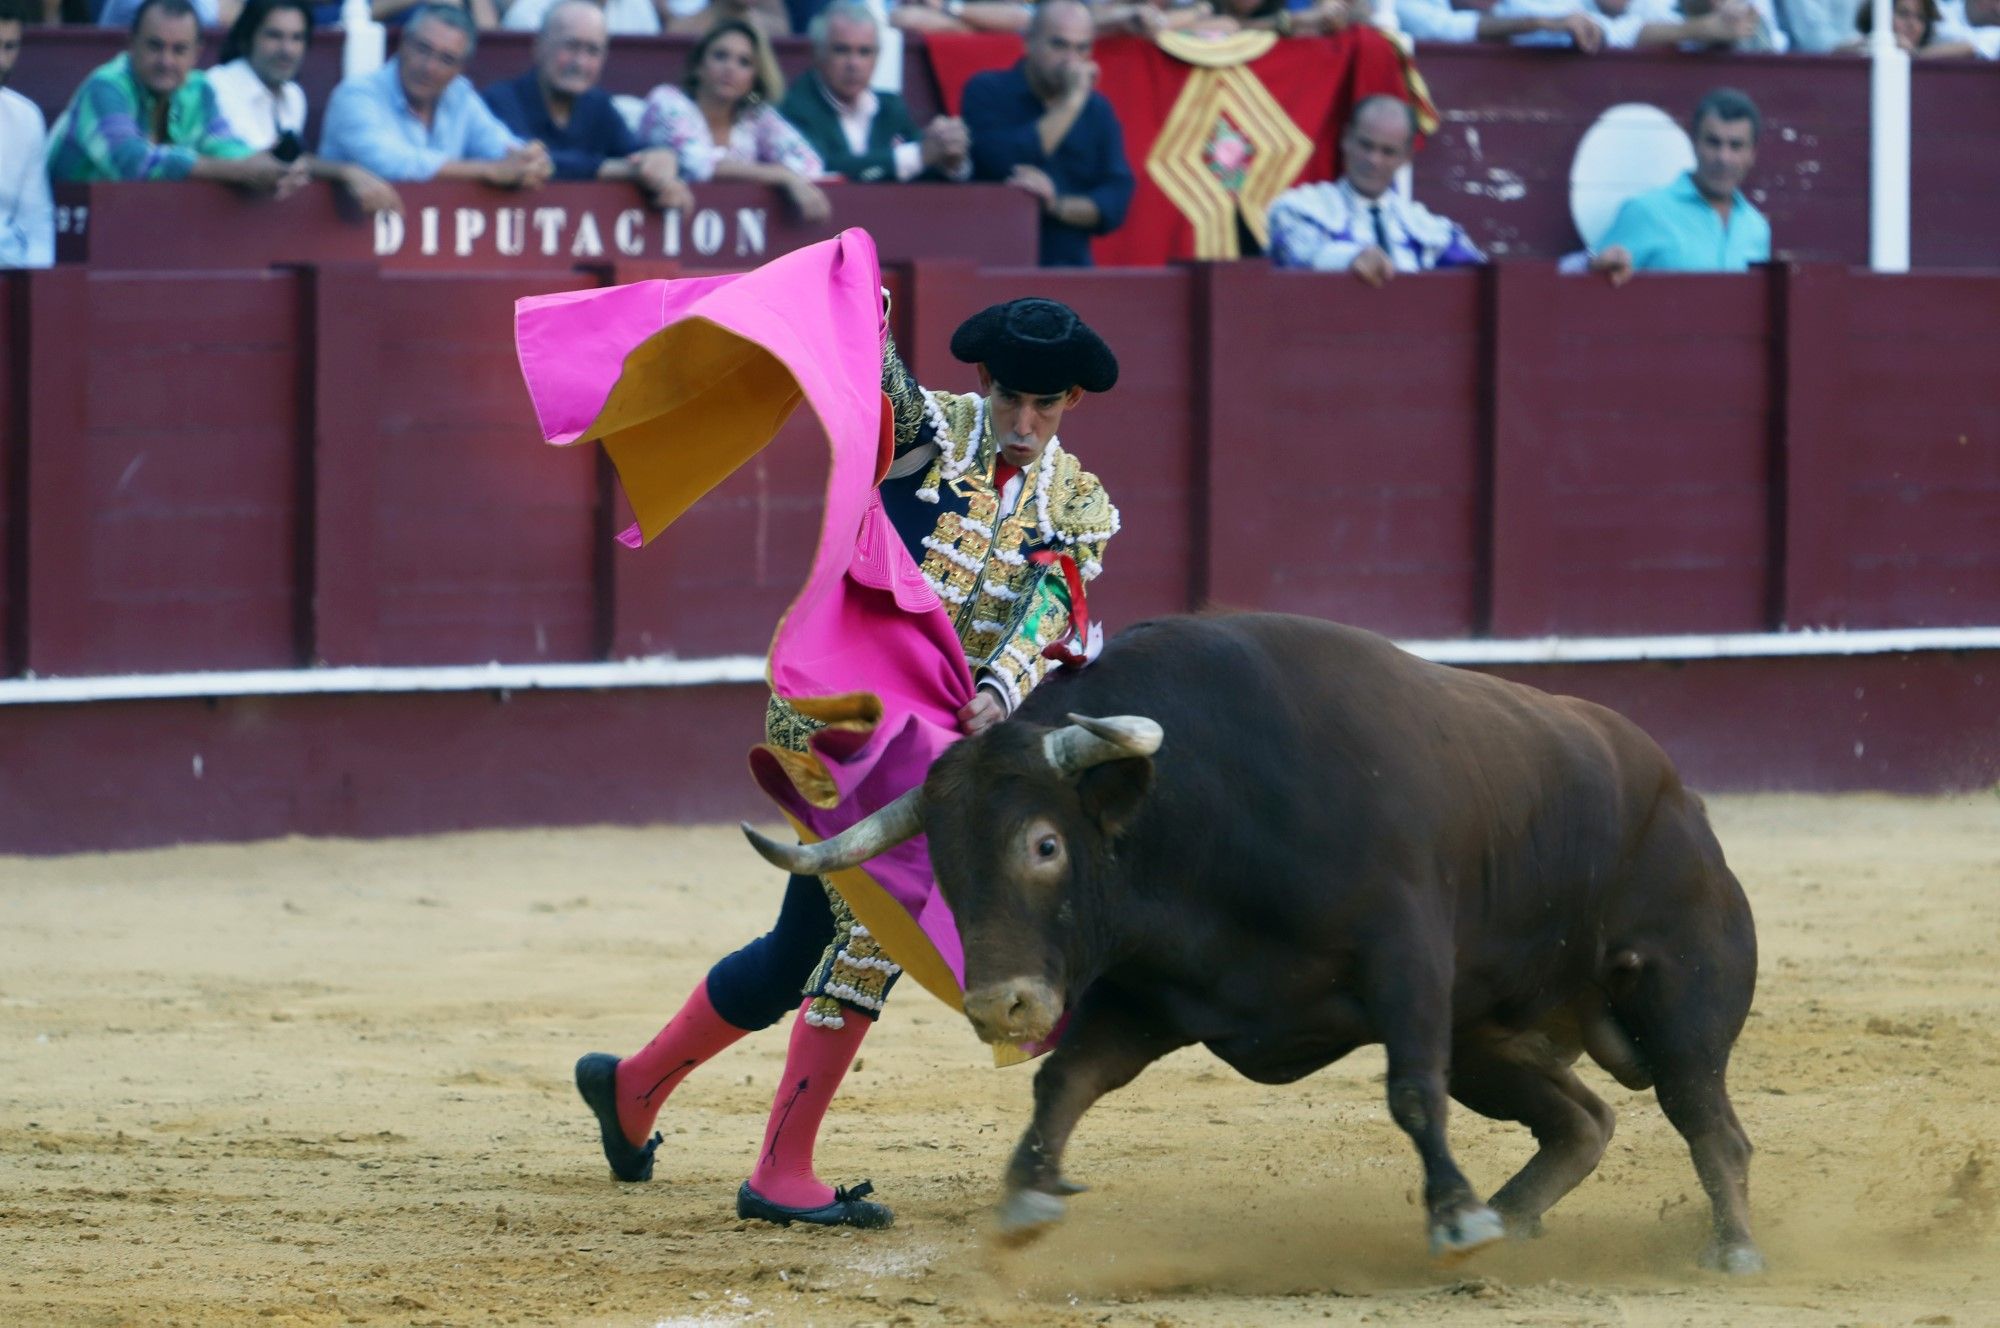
(1112, 793)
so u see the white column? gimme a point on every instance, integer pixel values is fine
(1888, 146)
(365, 42)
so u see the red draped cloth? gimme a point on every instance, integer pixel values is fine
(1317, 80)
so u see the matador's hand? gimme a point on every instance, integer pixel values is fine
(981, 713)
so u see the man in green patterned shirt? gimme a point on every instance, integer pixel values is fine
(148, 115)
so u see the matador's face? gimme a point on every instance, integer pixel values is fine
(1023, 422)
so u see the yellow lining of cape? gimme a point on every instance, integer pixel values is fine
(724, 400)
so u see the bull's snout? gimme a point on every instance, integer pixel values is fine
(1018, 1010)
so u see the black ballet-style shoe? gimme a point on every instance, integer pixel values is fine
(597, 1084)
(850, 1208)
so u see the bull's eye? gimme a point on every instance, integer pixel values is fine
(1046, 847)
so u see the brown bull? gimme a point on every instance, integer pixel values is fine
(1295, 839)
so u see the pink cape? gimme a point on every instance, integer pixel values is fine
(683, 381)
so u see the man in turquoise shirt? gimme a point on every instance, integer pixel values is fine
(150, 115)
(1701, 222)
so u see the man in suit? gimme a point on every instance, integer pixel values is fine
(865, 135)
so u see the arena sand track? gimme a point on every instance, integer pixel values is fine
(328, 1082)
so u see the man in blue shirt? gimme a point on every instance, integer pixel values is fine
(1043, 127)
(559, 105)
(418, 117)
(1701, 222)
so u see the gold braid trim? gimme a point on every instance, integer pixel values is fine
(906, 399)
(854, 971)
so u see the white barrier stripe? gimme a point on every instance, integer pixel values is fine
(446, 678)
(1743, 645)
(750, 668)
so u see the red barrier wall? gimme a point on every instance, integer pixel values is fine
(339, 465)
(163, 472)
(439, 535)
(1892, 444)
(1631, 455)
(1345, 471)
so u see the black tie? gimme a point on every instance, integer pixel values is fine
(1381, 228)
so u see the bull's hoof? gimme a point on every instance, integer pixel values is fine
(1739, 1259)
(1522, 1228)
(1465, 1232)
(1064, 1186)
(1026, 1214)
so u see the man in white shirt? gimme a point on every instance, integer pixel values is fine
(256, 90)
(27, 214)
(1359, 223)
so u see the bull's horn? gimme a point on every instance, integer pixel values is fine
(1085, 742)
(866, 838)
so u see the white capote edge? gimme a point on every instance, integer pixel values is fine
(662, 672)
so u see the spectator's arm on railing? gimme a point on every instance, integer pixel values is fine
(362, 129)
(1301, 241)
(961, 16)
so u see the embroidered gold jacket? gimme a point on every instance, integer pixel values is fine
(1006, 602)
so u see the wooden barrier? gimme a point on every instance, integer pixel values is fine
(338, 465)
(1349, 429)
(476, 228)
(1632, 452)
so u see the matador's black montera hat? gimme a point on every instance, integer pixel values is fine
(1036, 346)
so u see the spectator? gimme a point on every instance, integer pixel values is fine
(1042, 126)
(1592, 25)
(255, 77)
(258, 97)
(27, 214)
(961, 16)
(625, 18)
(484, 14)
(1973, 23)
(860, 133)
(726, 126)
(1359, 223)
(559, 105)
(150, 115)
(418, 118)
(1701, 222)
(1915, 25)
(208, 13)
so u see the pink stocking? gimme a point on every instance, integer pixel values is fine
(815, 1063)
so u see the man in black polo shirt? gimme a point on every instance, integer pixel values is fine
(559, 104)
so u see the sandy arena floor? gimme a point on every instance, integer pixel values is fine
(328, 1082)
